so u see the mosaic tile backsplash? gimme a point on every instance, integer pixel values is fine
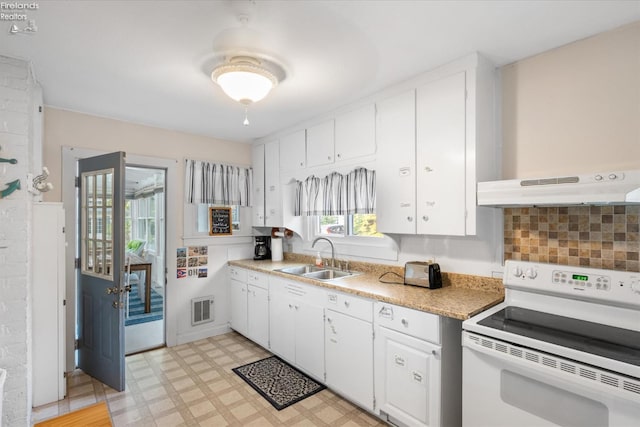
(588, 236)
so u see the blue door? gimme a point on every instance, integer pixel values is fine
(100, 273)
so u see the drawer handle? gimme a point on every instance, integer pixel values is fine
(386, 312)
(290, 306)
(346, 304)
(417, 377)
(399, 360)
(405, 322)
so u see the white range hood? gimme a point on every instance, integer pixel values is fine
(605, 188)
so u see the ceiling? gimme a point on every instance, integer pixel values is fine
(149, 62)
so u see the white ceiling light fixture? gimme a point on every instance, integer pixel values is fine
(247, 79)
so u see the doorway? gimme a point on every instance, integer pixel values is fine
(145, 243)
(70, 157)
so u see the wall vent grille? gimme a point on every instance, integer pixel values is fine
(202, 310)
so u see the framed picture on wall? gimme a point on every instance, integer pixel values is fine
(220, 221)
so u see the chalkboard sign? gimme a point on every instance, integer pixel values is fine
(220, 222)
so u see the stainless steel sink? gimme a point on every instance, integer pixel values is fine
(300, 270)
(318, 273)
(328, 274)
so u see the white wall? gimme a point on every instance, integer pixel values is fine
(574, 109)
(18, 92)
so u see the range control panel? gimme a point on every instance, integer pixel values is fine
(619, 287)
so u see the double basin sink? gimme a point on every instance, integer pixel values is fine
(318, 273)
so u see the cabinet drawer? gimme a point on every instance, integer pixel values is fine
(416, 323)
(239, 274)
(258, 279)
(297, 290)
(348, 304)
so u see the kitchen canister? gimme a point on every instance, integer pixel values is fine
(276, 249)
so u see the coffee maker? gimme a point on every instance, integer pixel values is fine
(262, 249)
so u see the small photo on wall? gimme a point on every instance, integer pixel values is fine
(193, 262)
(202, 272)
(203, 260)
(181, 252)
(181, 273)
(182, 262)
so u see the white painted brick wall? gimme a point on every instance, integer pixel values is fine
(16, 136)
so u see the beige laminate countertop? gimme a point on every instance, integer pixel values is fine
(461, 297)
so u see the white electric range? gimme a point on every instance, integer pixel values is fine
(563, 349)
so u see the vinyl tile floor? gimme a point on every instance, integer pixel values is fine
(193, 385)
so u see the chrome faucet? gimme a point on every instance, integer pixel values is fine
(333, 251)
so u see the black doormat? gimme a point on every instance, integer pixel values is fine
(278, 382)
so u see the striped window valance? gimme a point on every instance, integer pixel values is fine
(337, 194)
(215, 183)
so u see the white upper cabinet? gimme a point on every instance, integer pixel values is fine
(350, 135)
(320, 144)
(293, 151)
(273, 193)
(396, 164)
(447, 125)
(440, 157)
(355, 133)
(267, 200)
(258, 185)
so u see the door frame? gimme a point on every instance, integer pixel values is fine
(70, 155)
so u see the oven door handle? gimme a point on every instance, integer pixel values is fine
(556, 377)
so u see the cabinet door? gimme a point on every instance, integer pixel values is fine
(258, 315)
(440, 157)
(407, 378)
(282, 327)
(396, 164)
(273, 201)
(239, 306)
(320, 144)
(349, 357)
(293, 151)
(309, 338)
(258, 185)
(356, 133)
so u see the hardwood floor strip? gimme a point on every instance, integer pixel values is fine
(95, 416)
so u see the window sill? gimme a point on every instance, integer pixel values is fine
(216, 240)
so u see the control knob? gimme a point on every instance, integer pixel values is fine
(517, 271)
(635, 286)
(531, 273)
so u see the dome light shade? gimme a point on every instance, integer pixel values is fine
(244, 79)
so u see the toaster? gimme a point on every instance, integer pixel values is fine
(424, 274)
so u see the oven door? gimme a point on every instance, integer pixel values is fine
(507, 385)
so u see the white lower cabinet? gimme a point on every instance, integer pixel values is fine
(296, 325)
(250, 304)
(258, 315)
(239, 306)
(417, 367)
(349, 357)
(407, 379)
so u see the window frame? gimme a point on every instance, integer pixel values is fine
(194, 237)
(382, 248)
